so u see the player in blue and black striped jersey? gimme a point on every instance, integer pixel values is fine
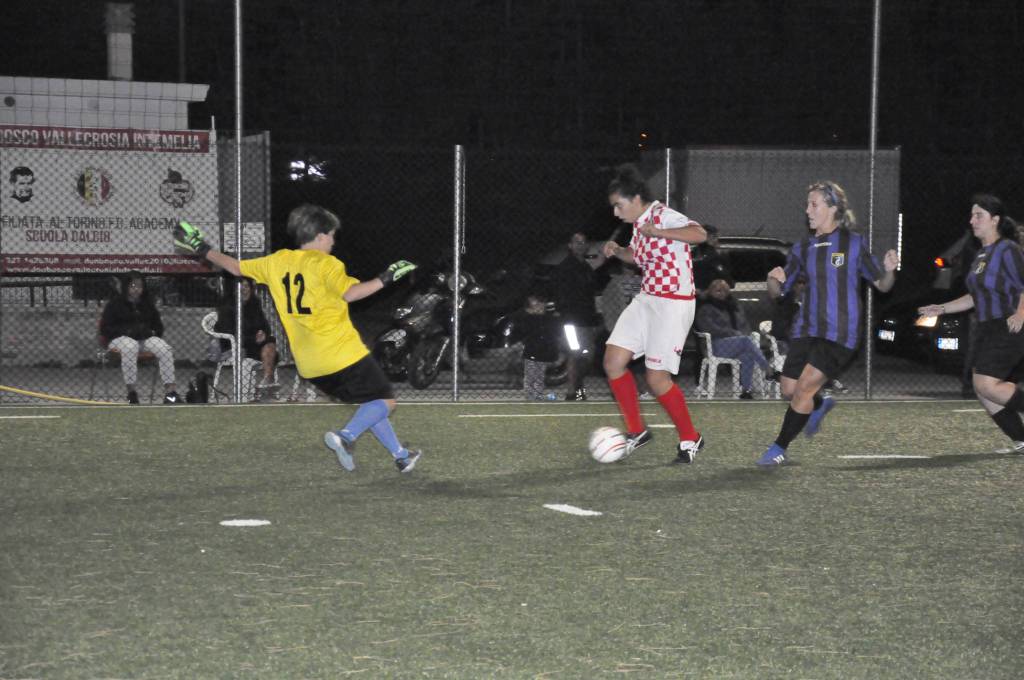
(995, 283)
(826, 330)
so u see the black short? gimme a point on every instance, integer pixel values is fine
(997, 351)
(828, 357)
(359, 383)
(255, 350)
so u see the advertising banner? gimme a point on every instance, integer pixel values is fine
(79, 200)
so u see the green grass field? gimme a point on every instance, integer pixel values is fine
(114, 564)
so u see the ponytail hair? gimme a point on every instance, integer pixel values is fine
(836, 196)
(994, 206)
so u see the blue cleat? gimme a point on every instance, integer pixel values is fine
(775, 455)
(813, 426)
(335, 443)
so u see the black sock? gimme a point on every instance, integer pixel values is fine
(792, 424)
(1010, 423)
(817, 400)
(1016, 402)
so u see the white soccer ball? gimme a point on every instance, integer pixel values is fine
(607, 445)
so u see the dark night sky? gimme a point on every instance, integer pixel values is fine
(588, 74)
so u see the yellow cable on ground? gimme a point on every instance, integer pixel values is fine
(54, 397)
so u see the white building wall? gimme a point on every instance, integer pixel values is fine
(97, 103)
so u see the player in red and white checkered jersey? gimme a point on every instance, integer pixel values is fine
(656, 322)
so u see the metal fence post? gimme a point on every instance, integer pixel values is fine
(458, 247)
(872, 147)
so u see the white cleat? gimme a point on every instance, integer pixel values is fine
(335, 443)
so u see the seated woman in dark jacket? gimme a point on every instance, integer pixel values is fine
(257, 342)
(721, 317)
(131, 324)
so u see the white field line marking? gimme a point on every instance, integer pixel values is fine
(884, 456)
(571, 509)
(25, 417)
(968, 410)
(542, 415)
(244, 522)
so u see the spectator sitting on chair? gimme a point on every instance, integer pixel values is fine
(131, 324)
(721, 317)
(257, 342)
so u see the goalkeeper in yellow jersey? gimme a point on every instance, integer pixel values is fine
(312, 292)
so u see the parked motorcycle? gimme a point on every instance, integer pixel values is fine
(418, 346)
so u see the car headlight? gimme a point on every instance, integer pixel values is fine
(926, 321)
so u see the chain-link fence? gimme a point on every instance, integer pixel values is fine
(83, 207)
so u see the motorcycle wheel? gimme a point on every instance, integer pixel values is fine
(425, 362)
(392, 360)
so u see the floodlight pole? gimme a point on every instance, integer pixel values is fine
(872, 148)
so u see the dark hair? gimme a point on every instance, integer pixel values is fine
(19, 171)
(710, 229)
(994, 206)
(308, 220)
(134, 275)
(835, 196)
(628, 182)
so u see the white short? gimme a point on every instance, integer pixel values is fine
(655, 328)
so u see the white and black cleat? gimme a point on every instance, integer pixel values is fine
(687, 451)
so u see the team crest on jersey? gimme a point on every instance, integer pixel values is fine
(980, 268)
(838, 259)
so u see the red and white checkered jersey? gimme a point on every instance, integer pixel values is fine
(667, 265)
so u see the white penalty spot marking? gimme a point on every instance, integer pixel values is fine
(885, 456)
(244, 522)
(571, 510)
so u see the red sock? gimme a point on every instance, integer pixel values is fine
(624, 389)
(674, 404)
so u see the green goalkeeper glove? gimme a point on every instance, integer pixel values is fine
(190, 240)
(396, 271)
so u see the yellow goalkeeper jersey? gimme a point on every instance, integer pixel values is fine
(307, 286)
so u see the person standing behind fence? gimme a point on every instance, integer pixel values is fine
(131, 323)
(538, 331)
(657, 320)
(312, 291)
(575, 290)
(826, 331)
(995, 283)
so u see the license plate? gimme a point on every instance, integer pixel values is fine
(951, 344)
(888, 336)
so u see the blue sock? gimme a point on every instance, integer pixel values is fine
(366, 416)
(385, 434)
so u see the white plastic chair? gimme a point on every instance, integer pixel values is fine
(250, 367)
(776, 360)
(708, 379)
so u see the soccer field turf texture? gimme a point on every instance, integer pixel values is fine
(113, 561)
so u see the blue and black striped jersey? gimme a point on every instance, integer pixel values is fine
(833, 265)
